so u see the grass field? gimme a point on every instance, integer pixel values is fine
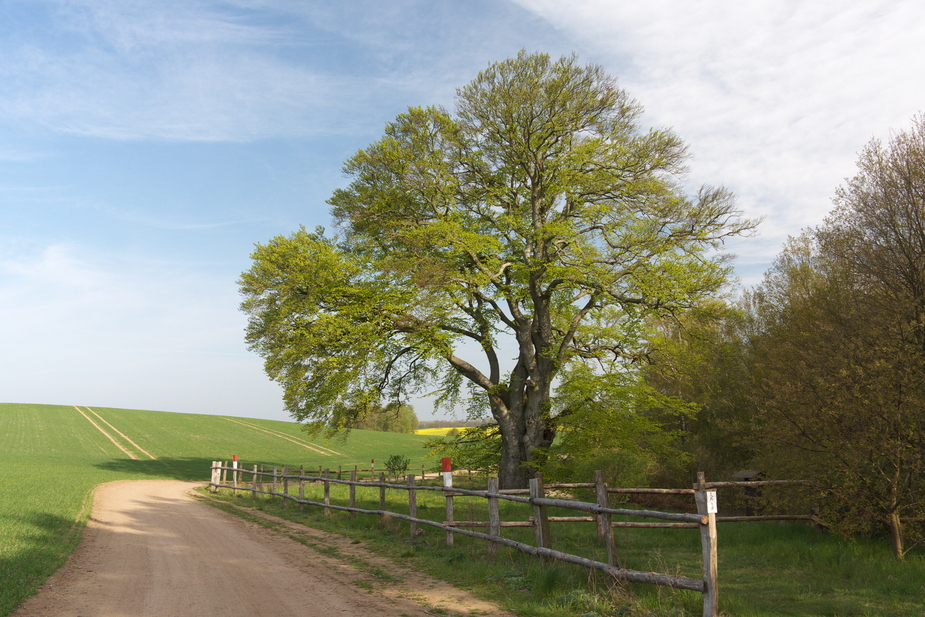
(55, 455)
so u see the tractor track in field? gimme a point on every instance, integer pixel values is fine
(310, 446)
(127, 452)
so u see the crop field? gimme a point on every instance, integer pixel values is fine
(438, 432)
(55, 455)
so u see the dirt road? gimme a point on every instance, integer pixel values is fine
(150, 549)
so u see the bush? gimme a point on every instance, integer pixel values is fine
(397, 465)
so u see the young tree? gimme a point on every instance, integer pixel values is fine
(536, 218)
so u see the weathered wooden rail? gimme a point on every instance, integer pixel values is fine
(279, 480)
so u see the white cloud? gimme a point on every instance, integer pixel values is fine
(775, 98)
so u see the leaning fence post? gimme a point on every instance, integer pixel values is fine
(494, 515)
(412, 504)
(541, 519)
(327, 494)
(706, 507)
(353, 492)
(604, 529)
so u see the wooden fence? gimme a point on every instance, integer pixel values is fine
(278, 481)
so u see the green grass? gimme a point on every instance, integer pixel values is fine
(54, 457)
(766, 569)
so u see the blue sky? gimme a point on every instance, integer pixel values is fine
(146, 146)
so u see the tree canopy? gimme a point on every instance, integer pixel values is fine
(535, 220)
(839, 347)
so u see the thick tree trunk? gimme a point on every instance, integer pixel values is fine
(523, 431)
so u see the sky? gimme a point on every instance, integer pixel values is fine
(145, 147)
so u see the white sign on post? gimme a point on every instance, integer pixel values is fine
(712, 507)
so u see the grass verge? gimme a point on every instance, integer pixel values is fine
(765, 568)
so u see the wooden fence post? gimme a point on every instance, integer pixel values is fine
(412, 504)
(254, 480)
(384, 515)
(224, 473)
(353, 492)
(285, 486)
(604, 530)
(541, 519)
(327, 494)
(212, 483)
(338, 472)
(447, 484)
(706, 506)
(301, 487)
(274, 481)
(494, 515)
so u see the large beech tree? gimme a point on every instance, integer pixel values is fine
(535, 220)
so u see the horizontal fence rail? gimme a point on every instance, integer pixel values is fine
(277, 482)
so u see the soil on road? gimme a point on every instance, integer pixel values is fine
(151, 550)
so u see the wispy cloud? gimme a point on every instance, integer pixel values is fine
(775, 98)
(207, 71)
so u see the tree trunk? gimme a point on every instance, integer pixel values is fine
(523, 430)
(896, 531)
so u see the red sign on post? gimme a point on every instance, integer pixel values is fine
(446, 464)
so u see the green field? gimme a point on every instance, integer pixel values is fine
(54, 456)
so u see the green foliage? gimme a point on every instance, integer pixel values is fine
(537, 212)
(394, 418)
(626, 419)
(838, 346)
(478, 447)
(397, 465)
(703, 360)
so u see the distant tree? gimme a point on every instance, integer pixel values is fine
(537, 215)
(702, 359)
(394, 418)
(839, 347)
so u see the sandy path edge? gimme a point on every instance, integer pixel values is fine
(151, 549)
